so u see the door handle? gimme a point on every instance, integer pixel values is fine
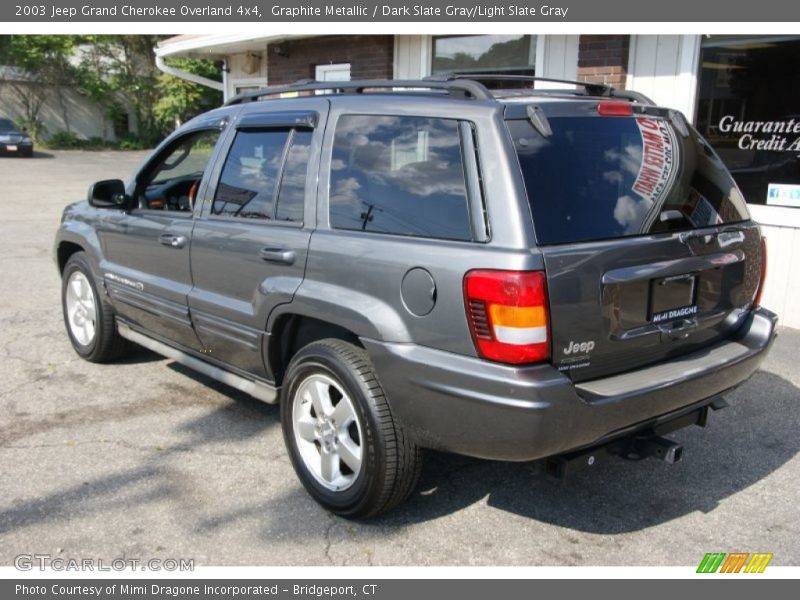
(172, 240)
(278, 255)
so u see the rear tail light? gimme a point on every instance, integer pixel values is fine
(760, 290)
(507, 314)
(615, 109)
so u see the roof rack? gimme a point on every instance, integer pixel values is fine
(464, 88)
(460, 85)
(593, 89)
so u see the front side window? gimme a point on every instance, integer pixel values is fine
(399, 175)
(171, 183)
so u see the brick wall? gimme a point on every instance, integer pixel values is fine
(603, 59)
(370, 57)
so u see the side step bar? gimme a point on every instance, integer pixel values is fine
(260, 391)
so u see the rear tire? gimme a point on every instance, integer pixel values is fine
(346, 448)
(88, 315)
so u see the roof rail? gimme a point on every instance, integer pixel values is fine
(633, 96)
(465, 88)
(593, 89)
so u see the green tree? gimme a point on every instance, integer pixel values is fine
(180, 100)
(37, 65)
(119, 72)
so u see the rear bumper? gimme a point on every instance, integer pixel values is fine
(477, 408)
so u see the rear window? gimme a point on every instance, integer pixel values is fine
(597, 178)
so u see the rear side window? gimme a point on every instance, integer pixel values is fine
(597, 178)
(399, 175)
(264, 176)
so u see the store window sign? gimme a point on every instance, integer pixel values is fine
(777, 136)
(780, 194)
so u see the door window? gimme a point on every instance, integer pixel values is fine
(172, 181)
(264, 176)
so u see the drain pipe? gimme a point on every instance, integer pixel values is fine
(163, 67)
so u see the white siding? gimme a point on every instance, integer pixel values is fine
(412, 56)
(246, 69)
(664, 67)
(781, 226)
(557, 57)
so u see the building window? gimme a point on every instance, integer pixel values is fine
(515, 54)
(337, 72)
(748, 109)
(243, 89)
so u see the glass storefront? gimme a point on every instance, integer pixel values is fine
(749, 109)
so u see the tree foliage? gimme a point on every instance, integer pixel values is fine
(40, 63)
(180, 100)
(117, 72)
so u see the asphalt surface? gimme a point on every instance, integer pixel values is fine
(145, 459)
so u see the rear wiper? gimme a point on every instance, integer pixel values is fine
(671, 215)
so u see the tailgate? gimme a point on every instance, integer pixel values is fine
(649, 250)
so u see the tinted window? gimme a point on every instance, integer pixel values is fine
(6, 125)
(291, 196)
(606, 177)
(250, 175)
(400, 175)
(173, 180)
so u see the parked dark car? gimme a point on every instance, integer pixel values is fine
(508, 274)
(14, 140)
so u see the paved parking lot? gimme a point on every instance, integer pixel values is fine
(146, 459)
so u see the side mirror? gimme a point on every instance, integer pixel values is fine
(109, 193)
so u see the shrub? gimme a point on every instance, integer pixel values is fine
(64, 140)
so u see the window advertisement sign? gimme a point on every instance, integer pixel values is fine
(754, 124)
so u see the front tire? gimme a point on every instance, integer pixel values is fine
(347, 450)
(88, 316)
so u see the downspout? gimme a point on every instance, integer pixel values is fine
(164, 68)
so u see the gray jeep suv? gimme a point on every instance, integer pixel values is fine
(511, 274)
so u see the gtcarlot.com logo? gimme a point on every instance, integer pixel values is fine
(29, 562)
(734, 562)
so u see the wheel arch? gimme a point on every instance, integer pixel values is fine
(291, 331)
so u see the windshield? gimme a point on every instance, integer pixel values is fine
(7, 125)
(606, 177)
